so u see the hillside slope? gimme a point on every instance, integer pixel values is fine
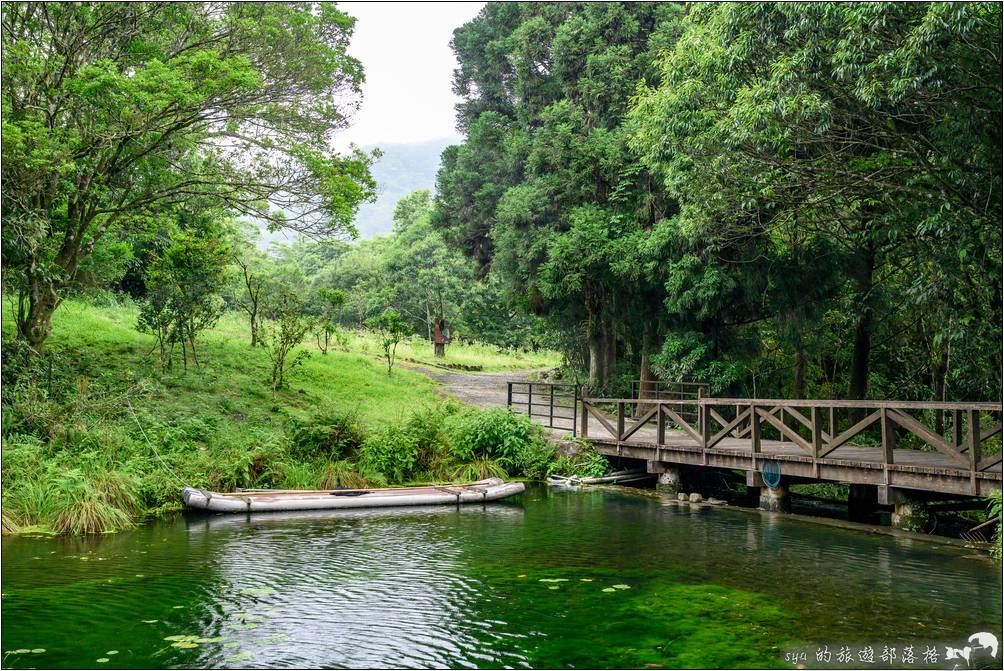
(103, 436)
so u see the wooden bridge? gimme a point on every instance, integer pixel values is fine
(949, 448)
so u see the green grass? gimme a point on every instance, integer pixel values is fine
(75, 460)
(476, 355)
(234, 377)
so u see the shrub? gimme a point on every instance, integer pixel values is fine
(23, 457)
(341, 474)
(332, 435)
(585, 462)
(533, 460)
(418, 448)
(28, 409)
(563, 465)
(995, 510)
(82, 505)
(496, 433)
(84, 513)
(500, 435)
(299, 475)
(479, 469)
(392, 452)
(29, 502)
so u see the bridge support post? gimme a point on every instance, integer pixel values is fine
(909, 512)
(775, 500)
(670, 478)
(862, 502)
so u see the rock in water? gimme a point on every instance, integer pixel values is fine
(696, 498)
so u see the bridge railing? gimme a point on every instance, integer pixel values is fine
(816, 427)
(646, 390)
(553, 404)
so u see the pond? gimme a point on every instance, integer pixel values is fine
(561, 579)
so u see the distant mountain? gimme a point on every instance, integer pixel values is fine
(403, 168)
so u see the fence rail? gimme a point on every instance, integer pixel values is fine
(560, 402)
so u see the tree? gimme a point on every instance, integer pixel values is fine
(425, 279)
(114, 112)
(332, 301)
(545, 190)
(859, 139)
(391, 329)
(184, 284)
(283, 329)
(250, 295)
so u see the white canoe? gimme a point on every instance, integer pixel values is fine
(256, 501)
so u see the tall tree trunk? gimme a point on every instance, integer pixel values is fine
(597, 378)
(35, 309)
(799, 368)
(647, 385)
(860, 361)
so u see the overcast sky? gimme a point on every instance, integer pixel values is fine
(406, 55)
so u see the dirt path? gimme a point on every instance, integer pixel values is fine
(485, 390)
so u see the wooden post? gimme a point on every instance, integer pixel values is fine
(888, 443)
(754, 434)
(575, 410)
(550, 419)
(529, 400)
(817, 439)
(705, 427)
(833, 423)
(620, 420)
(660, 426)
(584, 419)
(974, 446)
(508, 400)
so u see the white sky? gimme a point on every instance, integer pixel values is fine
(405, 51)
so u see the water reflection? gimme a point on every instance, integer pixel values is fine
(520, 584)
(369, 588)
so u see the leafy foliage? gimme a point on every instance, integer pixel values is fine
(284, 328)
(114, 113)
(331, 434)
(996, 509)
(781, 200)
(184, 284)
(502, 436)
(390, 328)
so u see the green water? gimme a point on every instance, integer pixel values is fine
(548, 579)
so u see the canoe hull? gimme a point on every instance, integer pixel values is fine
(252, 502)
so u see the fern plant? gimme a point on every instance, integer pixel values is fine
(995, 510)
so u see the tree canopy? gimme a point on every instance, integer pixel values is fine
(776, 198)
(546, 191)
(115, 112)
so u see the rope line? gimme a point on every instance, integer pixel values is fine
(152, 448)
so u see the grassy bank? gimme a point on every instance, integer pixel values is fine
(471, 356)
(76, 460)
